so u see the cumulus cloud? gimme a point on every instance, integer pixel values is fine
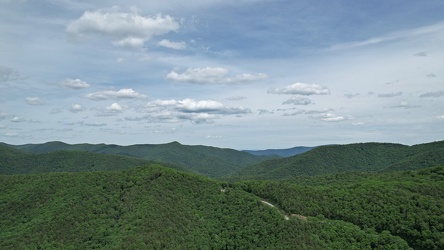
(298, 101)
(110, 94)
(216, 75)
(301, 89)
(388, 95)
(75, 108)
(127, 29)
(195, 111)
(115, 107)
(172, 45)
(433, 94)
(34, 101)
(74, 83)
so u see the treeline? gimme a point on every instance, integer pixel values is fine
(153, 207)
(407, 204)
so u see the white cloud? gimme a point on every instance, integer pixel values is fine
(34, 101)
(213, 136)
(74, 83)
(17, 119)
(172, 45)
(216, 75)
(130, 43)
(115, 107)
(75, 108)
(301, 89)
(329, 117)
(298, 101)
(120, 94)
(433, 94)
(128, 29)
(388, 95)
(202, 111)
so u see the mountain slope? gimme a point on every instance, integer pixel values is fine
(408, 204)
(209, 161)
(13, 161)
(152, 207)
(369, 157)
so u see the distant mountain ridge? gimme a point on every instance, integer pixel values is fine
(209, 161)
(287, 152)
(366, 157)
(15, 161)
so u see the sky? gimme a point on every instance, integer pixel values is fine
(245, 74)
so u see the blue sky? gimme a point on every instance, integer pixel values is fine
(246, 74)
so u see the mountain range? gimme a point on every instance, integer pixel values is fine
(172, 196)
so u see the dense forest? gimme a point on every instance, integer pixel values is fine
(408, 204)
(155, 207)
(364, 157)
(356, 196)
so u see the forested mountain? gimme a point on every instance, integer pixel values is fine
(280, 152)
(209, 161)
(408, 204)
(14, 161)
(153, 207)
(368, 157)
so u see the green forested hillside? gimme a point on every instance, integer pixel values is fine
(408, 204)
(367, 157)
(209, 161)
(153, 207)
(13, 161)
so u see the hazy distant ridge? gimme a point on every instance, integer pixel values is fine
(280, 152)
